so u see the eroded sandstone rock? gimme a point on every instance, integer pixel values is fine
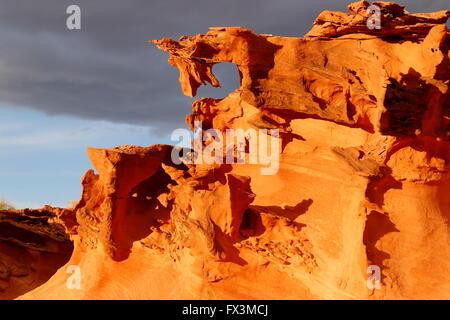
(33, 246)
(363, 180)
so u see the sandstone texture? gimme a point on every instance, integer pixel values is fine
(33, 245)
(364, 177)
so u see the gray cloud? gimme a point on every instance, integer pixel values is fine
(107, 70)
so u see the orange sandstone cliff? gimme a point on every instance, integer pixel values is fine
(363, 179)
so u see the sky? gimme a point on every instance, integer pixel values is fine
(62, 90)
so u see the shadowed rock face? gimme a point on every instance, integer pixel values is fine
(363, 179)
(33, 246)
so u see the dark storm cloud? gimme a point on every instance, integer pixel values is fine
(107, 70)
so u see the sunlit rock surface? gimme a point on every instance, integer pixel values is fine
(363, 179)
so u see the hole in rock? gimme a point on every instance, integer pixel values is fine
(229, 79)
(145, 208)
(251, 225)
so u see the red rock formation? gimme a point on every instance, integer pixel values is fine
(364, 120)
(33, 246)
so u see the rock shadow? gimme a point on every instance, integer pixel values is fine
(289, 212)
(377, 226)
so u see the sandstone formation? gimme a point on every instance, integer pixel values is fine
(364, 175)
(33, 245)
